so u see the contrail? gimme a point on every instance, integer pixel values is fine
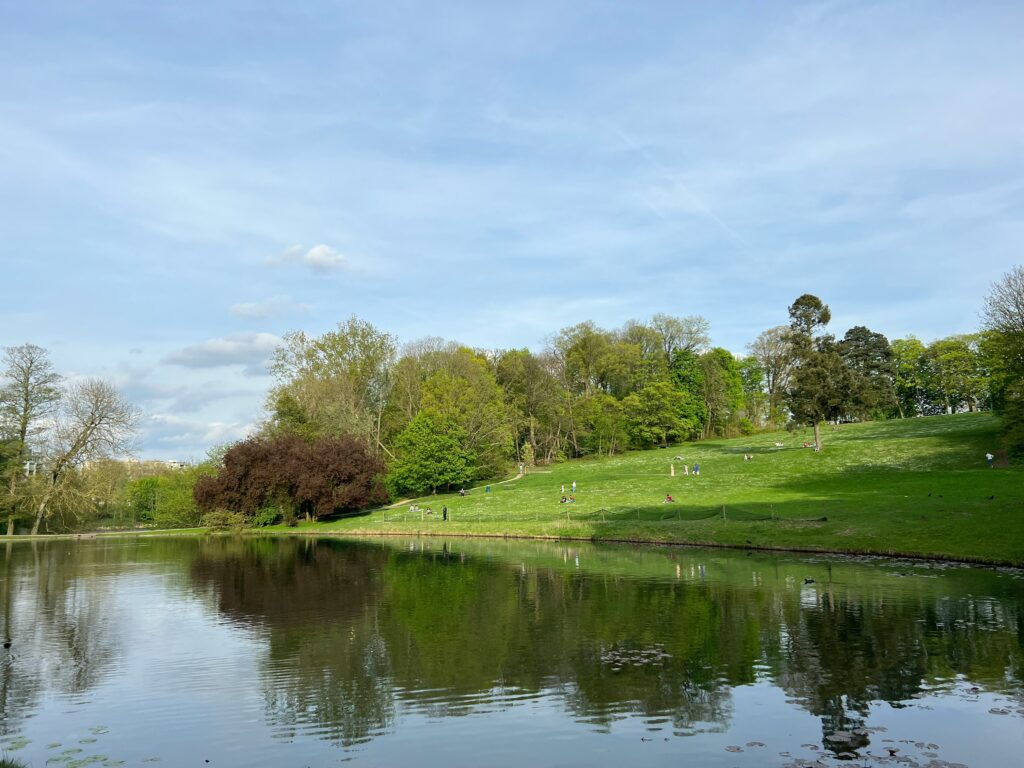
(678, 183)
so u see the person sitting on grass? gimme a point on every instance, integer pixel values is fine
(572, 498)
(668, 498)
(564, 500)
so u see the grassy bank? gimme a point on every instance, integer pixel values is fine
(918, 487)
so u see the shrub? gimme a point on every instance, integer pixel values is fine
(264, 517)
(223, 520)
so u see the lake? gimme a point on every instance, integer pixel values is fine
(261, 651)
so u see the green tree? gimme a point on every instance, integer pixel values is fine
(688, 376)
(910, 376)
(755, 398)
(430, 454)
(334, 384)
(1003, 319)
(656, 415)
(958, 373)
(821, 383)
(723, 391)
(870, 359)
(468, 397)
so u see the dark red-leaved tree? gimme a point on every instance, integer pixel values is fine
(320, 478)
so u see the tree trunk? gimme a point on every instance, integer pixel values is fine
(10, 525)
(817, 435)
(39, 515)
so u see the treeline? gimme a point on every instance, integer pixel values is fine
(437, 415)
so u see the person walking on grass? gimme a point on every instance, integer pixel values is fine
(444, 514)
(990, 459)
(574, 486)
(696, 469)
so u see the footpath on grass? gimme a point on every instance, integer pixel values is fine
(912, 488)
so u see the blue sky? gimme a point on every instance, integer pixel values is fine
(183, 182)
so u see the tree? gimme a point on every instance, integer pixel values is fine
(806, 315)
(910, 377)
(1003, 318)
(657, 414)
(1004, 306)
(820, 390)
(723, 391)
(28, 396)
(430, 454)
(774, 351)
(93, 422)
(820, 385)
(334, 384)
(870, 359)
(755, 399)
(318, 478)
(467, 396)
(681, 334)
(956, 366)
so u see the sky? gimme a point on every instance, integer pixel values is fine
(181, 183)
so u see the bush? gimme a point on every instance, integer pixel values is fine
(223, 520)
(264, 517)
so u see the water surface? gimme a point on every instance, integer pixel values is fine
(305, 652)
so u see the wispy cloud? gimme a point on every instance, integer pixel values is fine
(319, 258)
(251, 350)
(270, 307)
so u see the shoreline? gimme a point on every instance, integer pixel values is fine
(364, 534)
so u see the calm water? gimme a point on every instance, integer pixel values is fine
(288, 652)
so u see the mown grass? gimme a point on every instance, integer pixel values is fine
(917, 487)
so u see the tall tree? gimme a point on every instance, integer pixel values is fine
(774, 351)
(334, 384)
(29, 394)
(681, 334)
(820, 386)
(1003, 318)
(870, 359)
(93, 422)
(723, 391)
(910, 377)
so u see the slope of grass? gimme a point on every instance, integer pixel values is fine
(915, 487)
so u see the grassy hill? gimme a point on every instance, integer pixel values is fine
(915, 487)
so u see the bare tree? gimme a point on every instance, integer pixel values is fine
(1004, 305)
(773, 351)
(28, 396)
(93, 422)
(681, 334)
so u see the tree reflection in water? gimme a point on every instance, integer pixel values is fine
(358, 633)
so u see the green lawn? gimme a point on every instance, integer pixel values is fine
(913, 487)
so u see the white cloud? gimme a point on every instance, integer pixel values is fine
(319, 258)
(271, 307)
(323, 257)
(249, 349)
